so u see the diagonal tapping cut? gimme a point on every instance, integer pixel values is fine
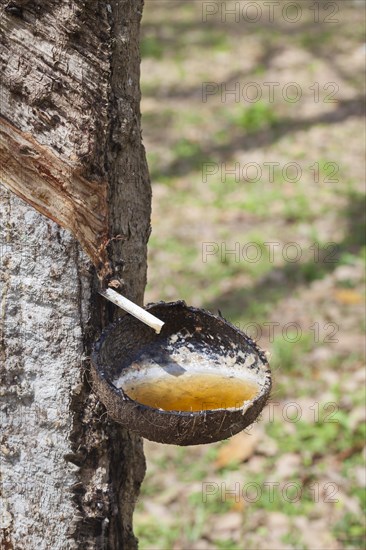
(56, 189)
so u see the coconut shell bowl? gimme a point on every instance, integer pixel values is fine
(200, 380)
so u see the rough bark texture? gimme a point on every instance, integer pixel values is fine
(70, 84)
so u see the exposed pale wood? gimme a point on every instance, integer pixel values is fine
(56, 190)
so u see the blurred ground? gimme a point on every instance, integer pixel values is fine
(296, 479)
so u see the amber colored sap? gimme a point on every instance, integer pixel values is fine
(192, 392)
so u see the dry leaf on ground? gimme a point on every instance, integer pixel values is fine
(238, 449)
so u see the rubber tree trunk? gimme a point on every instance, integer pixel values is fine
(70, 153)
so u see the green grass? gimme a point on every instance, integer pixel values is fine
(253, 118)
(182, 463)
(289, 348)
(318, 438)
(151, 46)
(154, 535)
(214, 503)
(298, 208)
(163, 537)
(350, 531)
(292, 538)
(216, 41)
(227, 544)
(186, 149)
(316, 40)
(353, 462)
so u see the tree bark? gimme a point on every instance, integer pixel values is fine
(71, 153)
